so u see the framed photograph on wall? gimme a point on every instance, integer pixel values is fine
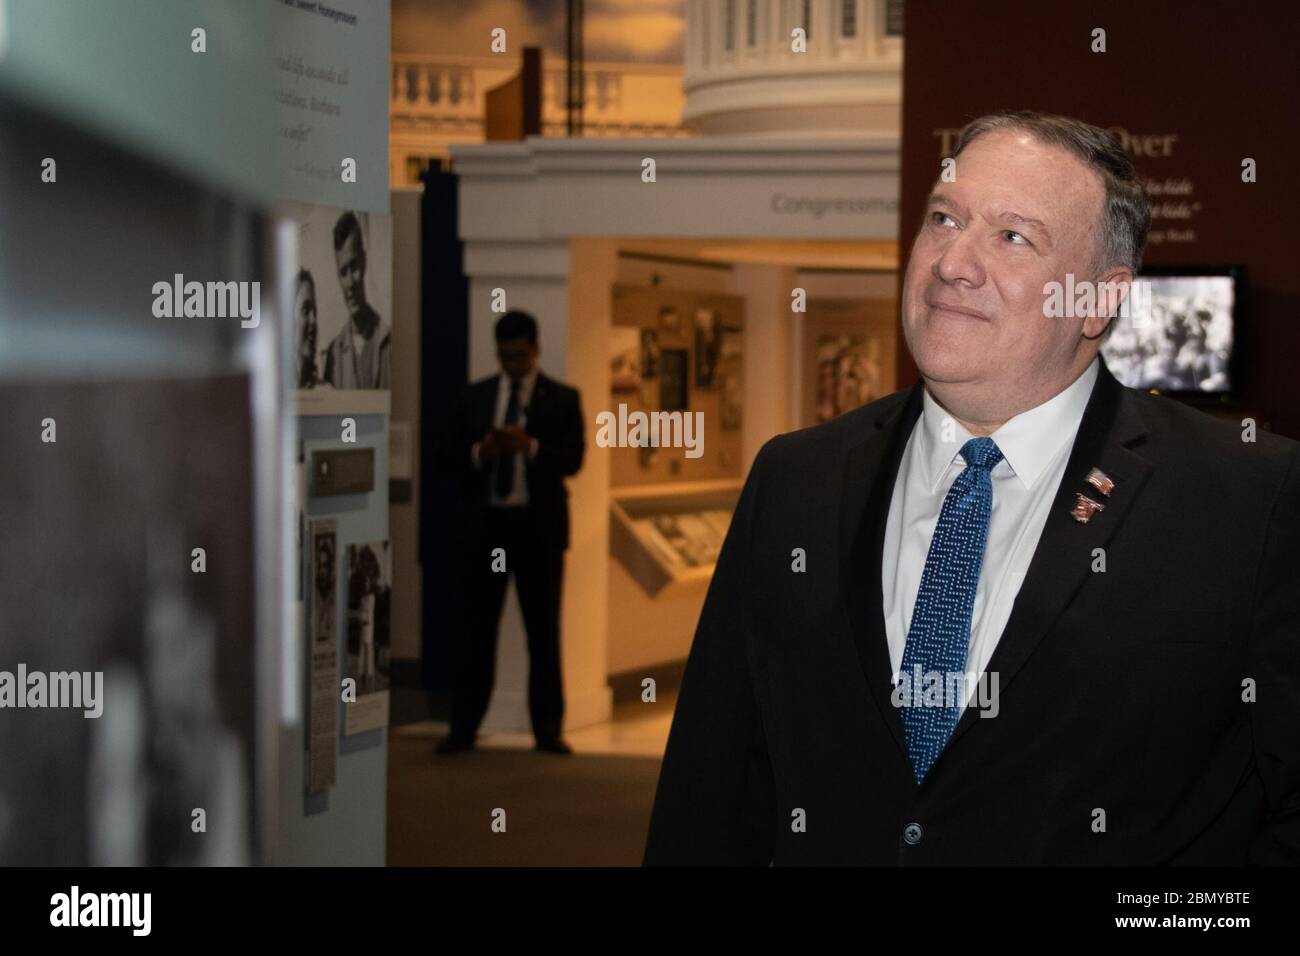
(649, 353)
(342, 307)
(848, 356)
(369, 617)
(708, 334)
(322, 721)
(624, 358)
(674, 384)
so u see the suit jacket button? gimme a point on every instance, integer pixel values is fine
(912, 834)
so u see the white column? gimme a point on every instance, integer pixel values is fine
(780, 29)
(819, 49)
(695, 36)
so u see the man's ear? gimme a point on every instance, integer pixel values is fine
(1113, 288)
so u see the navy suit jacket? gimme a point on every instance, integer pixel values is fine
(554, 417)
(1148, 713)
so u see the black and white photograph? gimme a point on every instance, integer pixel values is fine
(1179, 339)
(161, 636)
(369, 582)
(324, 602)
(342, 303)
(322, 677)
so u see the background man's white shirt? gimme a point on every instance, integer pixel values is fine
(1035, 446)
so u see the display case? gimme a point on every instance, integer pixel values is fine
(668, 537)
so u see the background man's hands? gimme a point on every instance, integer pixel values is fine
(503, 440)
(513, 438)
(489, 446)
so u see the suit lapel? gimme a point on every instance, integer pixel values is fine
(487, 404)
(871, 464)
(537, 400)
(1109, 430)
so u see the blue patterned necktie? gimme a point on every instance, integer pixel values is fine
(940, 631)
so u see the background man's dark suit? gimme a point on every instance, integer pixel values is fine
(1120, 691)
(534, 549)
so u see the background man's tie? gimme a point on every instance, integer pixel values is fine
(505, 476)
(939, 635)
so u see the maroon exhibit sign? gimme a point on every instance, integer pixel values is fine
(1193, 91)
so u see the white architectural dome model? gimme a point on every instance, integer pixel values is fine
(743, 74)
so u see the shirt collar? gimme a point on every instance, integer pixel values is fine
(525, 384)
(1028, 442)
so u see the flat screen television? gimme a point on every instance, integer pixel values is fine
(1181, 334)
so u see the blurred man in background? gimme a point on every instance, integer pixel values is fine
(514, 438)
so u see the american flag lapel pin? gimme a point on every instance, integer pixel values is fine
(1101, 481)
(1084, 508)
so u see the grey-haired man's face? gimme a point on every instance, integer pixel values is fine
(1019, 215)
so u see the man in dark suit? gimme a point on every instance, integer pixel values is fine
(514, 438)
(1018, 613)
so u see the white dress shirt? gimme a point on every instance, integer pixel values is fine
(519, 493)
(1035, 446)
